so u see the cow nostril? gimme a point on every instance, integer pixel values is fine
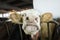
(27, 18)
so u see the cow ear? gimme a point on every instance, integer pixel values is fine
(46, 17)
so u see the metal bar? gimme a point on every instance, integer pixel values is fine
(7, 29)
(41, 33)
(20, 31)
(49, 36)
(4, 23)
(56, 23)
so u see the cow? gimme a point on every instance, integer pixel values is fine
(31, 25)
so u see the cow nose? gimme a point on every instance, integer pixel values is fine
(27, 18)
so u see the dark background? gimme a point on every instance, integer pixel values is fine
(15, 4)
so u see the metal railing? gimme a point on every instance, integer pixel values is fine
(49, 30)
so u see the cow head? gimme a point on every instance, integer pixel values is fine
(31, 24)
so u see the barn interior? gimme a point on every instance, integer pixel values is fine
(13, 31)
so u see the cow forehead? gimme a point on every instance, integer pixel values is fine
(31, 15)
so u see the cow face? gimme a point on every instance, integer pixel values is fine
(31, 24)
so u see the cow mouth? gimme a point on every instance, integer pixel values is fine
(32, 25)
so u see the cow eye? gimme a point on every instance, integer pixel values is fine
(36, 19)
(27, 18)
